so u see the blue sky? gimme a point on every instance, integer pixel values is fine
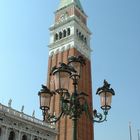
(115, 27)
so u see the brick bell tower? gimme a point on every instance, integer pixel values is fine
(70, 36)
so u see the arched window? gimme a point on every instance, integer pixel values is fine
(56, 36)
(11, 135)
(77, 32)
(85, 39)
(82, 37)
(60, 35)
(0, 131)
(64, 33)
(68, 30)
(24, 137)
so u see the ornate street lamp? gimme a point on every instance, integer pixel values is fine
(73, 104)
(105, 93)
(45, 98)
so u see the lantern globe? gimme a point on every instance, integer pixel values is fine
(61, 77)
(45, 98)
(77, 63)
(61, 81)
(76, 66)
(105, 99)
(105, 94)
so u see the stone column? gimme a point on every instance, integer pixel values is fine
(19, 135)
(5, 133)
(31, 137)
(1, 132)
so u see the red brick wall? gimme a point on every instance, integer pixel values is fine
(79, 15)
(85, 126)
(69, 11)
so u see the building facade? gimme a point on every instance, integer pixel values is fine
(70, 36)
(15, 125)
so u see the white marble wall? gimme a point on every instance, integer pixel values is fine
(22, 124)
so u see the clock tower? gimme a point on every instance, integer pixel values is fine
(70, 36)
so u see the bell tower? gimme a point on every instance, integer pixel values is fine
(70, 36)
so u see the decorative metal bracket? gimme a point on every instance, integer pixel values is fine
(98, 117)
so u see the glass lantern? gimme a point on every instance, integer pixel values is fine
(61, 78)
(106, 99)
(45, 98)
(105, 94)
(76, 63)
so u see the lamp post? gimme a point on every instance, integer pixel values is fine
(73, 104)
(45, 97)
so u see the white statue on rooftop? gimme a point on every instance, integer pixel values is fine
(9, 103)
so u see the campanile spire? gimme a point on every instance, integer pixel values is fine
(64, 3)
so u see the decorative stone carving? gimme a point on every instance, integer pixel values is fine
(12, 121)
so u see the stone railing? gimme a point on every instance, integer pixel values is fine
(12, 112)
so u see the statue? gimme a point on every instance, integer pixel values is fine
(33, 114)
(22, 108)
(9, 103)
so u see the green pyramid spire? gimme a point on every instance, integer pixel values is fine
(64, 3)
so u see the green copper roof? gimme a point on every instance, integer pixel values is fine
(64, 3)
